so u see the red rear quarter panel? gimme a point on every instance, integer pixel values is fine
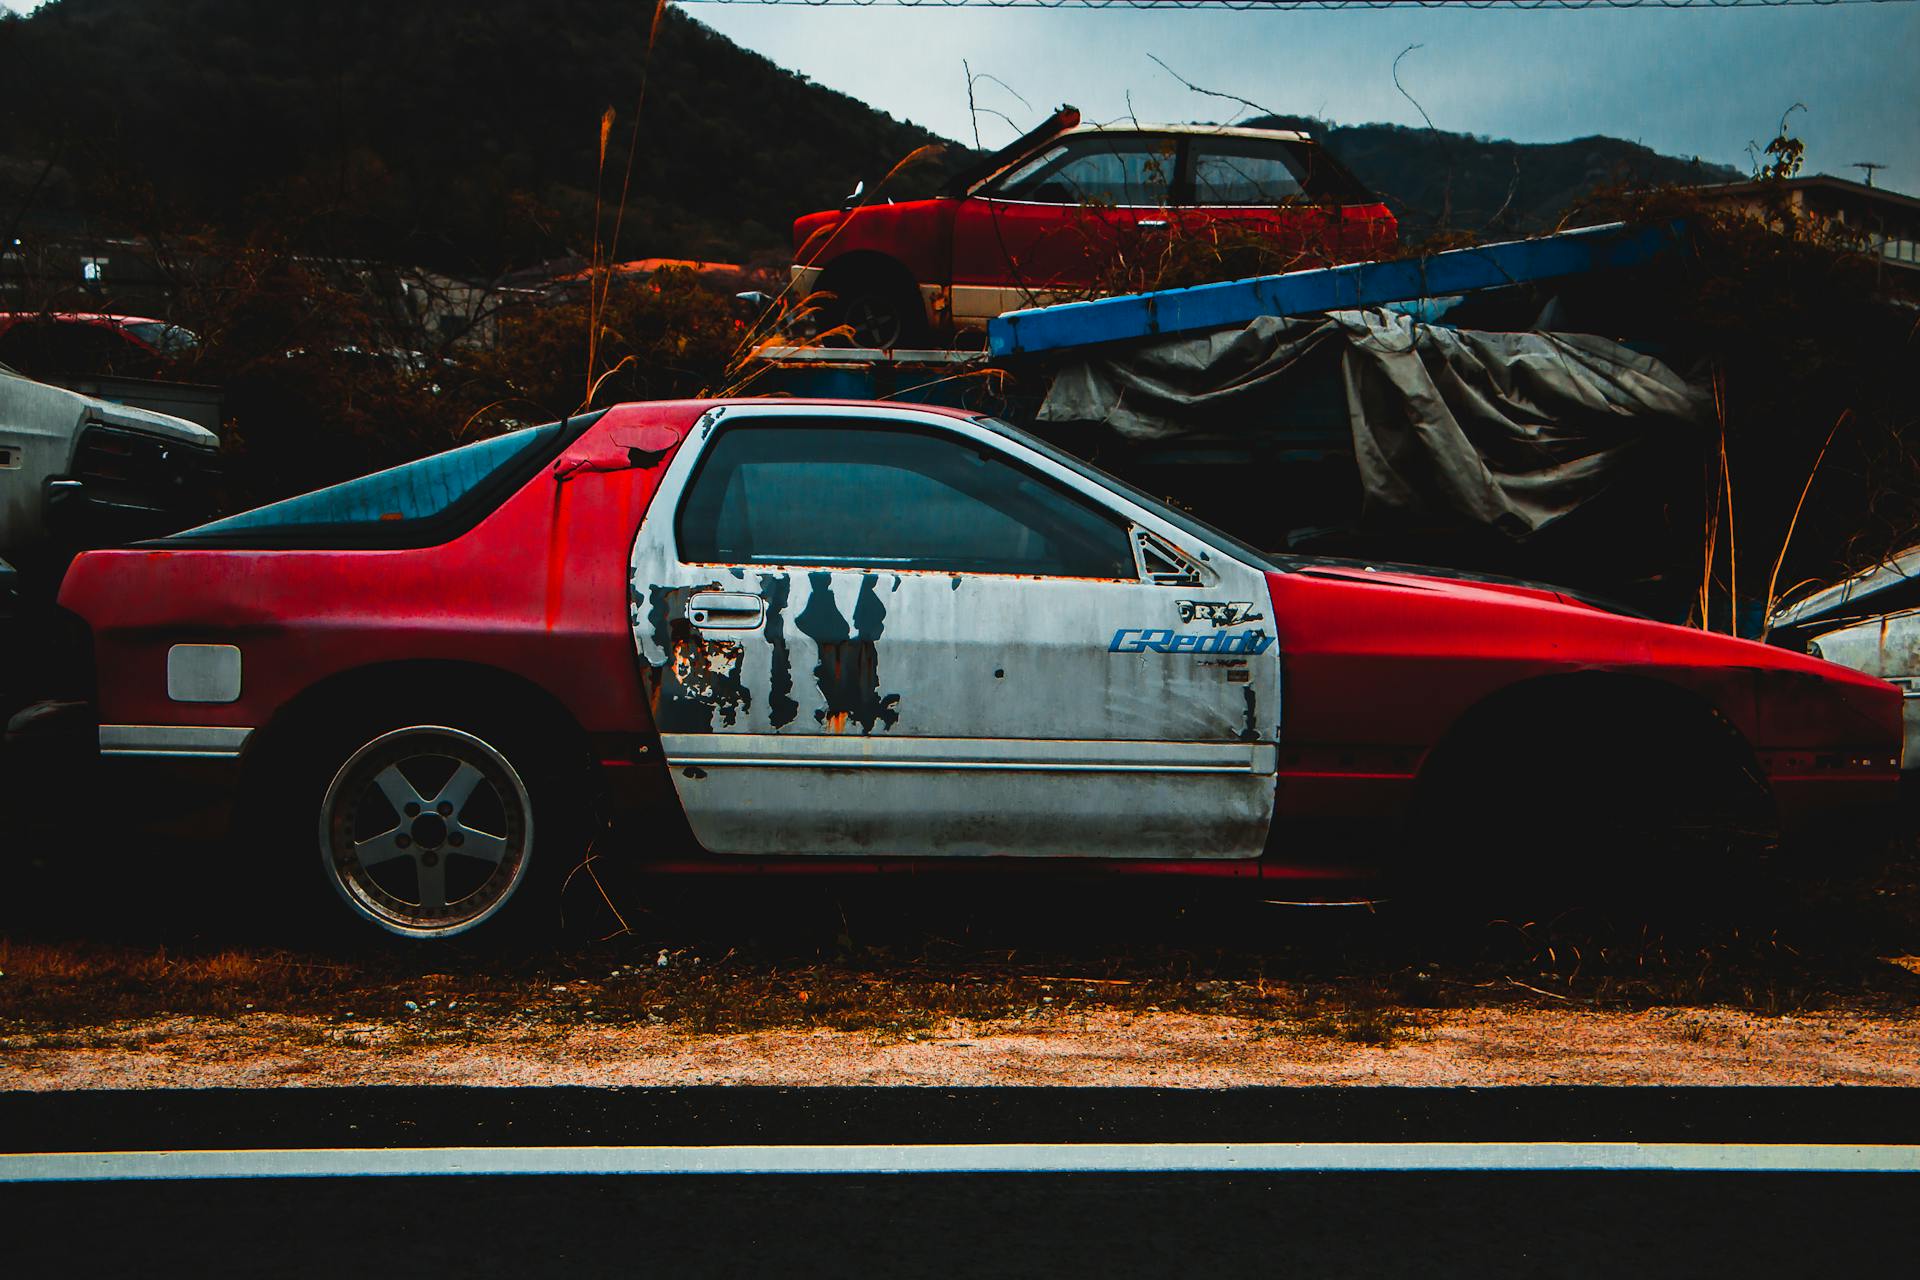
(918, 234)
(538, 588)
(1380, 666)
(1341, 233)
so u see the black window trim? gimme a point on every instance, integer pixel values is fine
(458, 519)
(903, 426)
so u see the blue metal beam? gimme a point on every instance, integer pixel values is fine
(1361, 284)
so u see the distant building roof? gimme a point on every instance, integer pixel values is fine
(1818, 182)
(1888, 220)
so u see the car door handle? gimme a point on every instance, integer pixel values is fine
(1151, 222)
(725, 610)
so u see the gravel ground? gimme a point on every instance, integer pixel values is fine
(1803, 978)
(1459, 1047)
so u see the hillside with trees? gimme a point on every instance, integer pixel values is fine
(465, 137)
(1438, 181)
(462, 137)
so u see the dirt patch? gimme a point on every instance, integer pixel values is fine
(1781, 980)
(1468, 1047)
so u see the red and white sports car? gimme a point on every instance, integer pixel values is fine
(859, 636)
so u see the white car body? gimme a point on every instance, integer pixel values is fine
(1870, 622)
(40, 430)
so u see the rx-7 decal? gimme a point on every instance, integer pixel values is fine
(1221, 613)
(1167, 640)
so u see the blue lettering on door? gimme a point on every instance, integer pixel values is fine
(1167, 640)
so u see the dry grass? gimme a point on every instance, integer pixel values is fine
(896, 961)
(110, 978)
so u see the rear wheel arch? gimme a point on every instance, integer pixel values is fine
(867, 272)
(866, 262)
(300, 780)
(496, 691)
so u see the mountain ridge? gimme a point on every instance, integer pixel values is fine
(467, 140)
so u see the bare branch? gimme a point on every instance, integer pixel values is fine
(1446, 193)
(974, 108)
(1403, 89)
(1506, 204)
(1004, 85)
(1249, 103)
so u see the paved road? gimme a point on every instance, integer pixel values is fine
(1306, 1222)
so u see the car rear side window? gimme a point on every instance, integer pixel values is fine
(861, 497)
(1244, 171)
(414, 494)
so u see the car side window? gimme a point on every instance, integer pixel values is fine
(821, 493)
(1125, 170)
(409, 494)
(1243, 171)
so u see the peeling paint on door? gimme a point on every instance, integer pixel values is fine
(701, 678)
(849, 669)
(781, 707)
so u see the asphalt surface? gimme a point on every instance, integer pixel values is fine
(1307, 1223)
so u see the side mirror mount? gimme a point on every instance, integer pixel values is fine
(853, 196)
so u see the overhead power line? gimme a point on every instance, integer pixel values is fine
(1306, 4)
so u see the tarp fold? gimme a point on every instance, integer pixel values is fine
(1507, 430)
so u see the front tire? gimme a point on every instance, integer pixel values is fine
(1596, 795)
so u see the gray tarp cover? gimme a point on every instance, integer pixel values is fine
(1510, 430)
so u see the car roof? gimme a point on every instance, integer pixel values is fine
(1220, 130)
(1869, 590)
(80, 317)
(629, 410)
(1010, 157)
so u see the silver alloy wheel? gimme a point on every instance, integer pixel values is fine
(873, 322)
(426, 831)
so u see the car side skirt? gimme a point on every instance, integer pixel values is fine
(850, 791)
(206, 741)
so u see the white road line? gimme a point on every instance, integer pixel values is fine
(1074, 1157)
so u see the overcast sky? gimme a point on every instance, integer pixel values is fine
(1685, 82)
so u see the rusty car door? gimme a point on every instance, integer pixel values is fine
(883, 631)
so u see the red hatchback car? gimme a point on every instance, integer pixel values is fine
(1042, 219)
(857, 637)
(41, 342)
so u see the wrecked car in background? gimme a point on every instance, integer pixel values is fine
(66, 342)
(1870, 622)
(84, 470)
(867, 637)
(78, 471)
(1041, 219)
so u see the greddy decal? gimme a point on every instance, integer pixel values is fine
(1166, 640)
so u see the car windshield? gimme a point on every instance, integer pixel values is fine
(161, 336)
(1182, 520)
